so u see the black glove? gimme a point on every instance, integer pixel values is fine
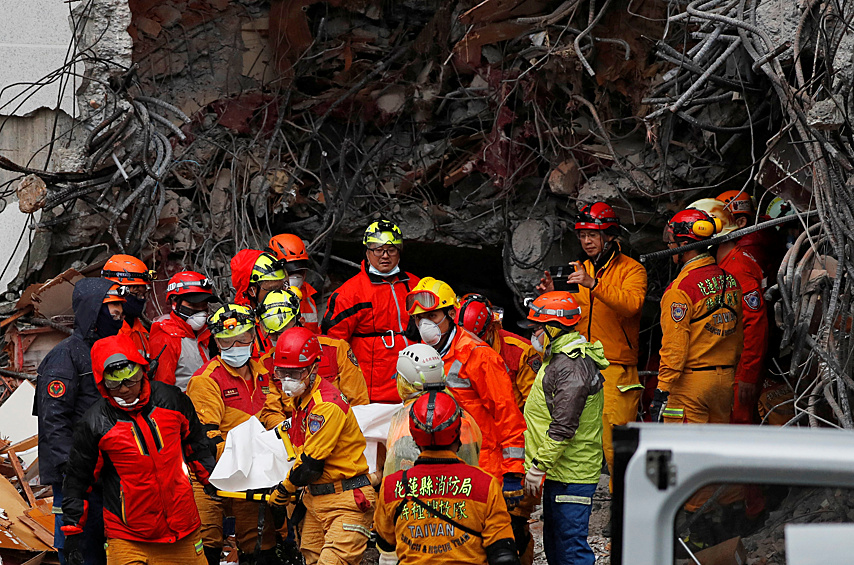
(211, 491)
(73, 549)
(656, 407)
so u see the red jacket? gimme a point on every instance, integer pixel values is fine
(478, 379)
(309, 315)
(181, 352)
(369, 312)
(138, 454)
(138, 334)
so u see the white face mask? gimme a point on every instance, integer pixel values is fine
(291, 387)
(237, 356)
(430, 332)
(374, 271)
(537, 344)
(296, 280)
(124, 404)
(197, 321)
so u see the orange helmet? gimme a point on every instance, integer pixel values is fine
(737, 202)
(127, 270)
(290, 249)
(116, 293)
(556, 307)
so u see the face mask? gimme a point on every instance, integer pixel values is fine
(292, 388)
(237, 356)
(430, 332)
(105, 324)
(124, 404)
(197, 321)
(296, 280)
(134, 306)
(539, 346)
(394, 271)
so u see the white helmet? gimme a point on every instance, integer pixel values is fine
(419, 367)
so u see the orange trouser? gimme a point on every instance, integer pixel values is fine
(622, 393)
(245, 513)
(704, 397)
(187, 551)
(337, 526)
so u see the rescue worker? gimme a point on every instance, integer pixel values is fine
(479, 316)
(478, 380)
(65, 390)
(290, 248)
(443, 510)
(368, 311)
(227, 391)
(702, 330)
(330, 466)
(611, 293)
(733, 259)
(338, 366)
(765, 246)
(180, 339)
(131, 273)
(563, 442)
(254, 274)
(135, 441)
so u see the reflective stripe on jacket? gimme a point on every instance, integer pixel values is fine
(701, 320)
(309, 315)
(478, 379)
(369, 312)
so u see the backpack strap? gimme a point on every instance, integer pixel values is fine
(430, 510)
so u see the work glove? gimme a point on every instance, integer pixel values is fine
(73, 548)
(388, 558)
(211, 491)
(534, 480)
(656, 407)
(513, 492)
(281, 496)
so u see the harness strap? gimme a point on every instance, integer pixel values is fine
(430, 510)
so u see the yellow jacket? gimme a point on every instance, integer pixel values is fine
(224, 400)
(611, 312)
(701, 320)
(324, 428)
(461, 492)
(522, 362)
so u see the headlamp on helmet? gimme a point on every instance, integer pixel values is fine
(230, 321)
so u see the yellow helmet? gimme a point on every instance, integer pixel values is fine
(231, 320)
(382, 232)
(716, 209)
(279, 308)
(430, 294)
(268, 268)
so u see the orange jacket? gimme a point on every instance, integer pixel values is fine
(369, 312)
(324, 428)
(309, 315)
(224, 400)
(701, 320)
(461, 492)
(338, 366)
(522, 362)
(178, 350)
(138, 334)
(611, 312)
(478, 379)
(748, 273)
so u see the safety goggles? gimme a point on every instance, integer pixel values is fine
(285, 373)
(426, 299)
(122, 373)
(226, 343)
(125, 277)
(205, 285)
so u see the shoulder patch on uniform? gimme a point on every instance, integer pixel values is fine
(752, 300)
(352, 357)
(535, 363)
(230, 392)
(678, 311)
(56, 388)
(315, 422)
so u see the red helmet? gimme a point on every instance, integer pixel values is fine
(296, 348)
(127, 270)
(290, 249)
(190, 286)
(475, 314)
(435, 419)
(597, 216)
(694, 224)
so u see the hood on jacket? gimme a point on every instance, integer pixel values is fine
(106, 348)
(241, 270)
(86, 302)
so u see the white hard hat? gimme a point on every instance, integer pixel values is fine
(421, 366)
